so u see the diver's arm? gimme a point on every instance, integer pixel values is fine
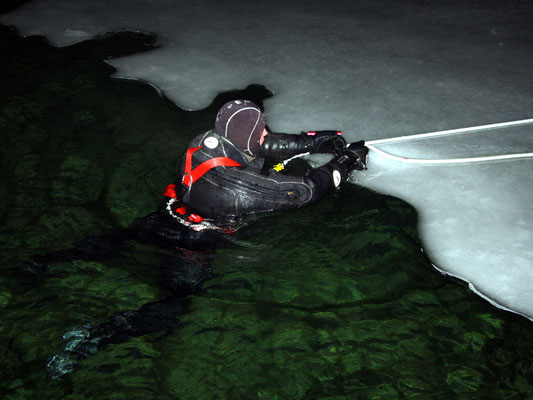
(329, 176)
(282, 146)
(240, 191)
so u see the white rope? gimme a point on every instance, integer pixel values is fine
(451, 132)
(288, 160)
(450, 160)
(371, 145)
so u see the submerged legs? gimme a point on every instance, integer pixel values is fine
(181, 273)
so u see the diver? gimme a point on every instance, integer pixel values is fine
(222, 178)
(222, 174)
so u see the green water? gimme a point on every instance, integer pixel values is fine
(333, 301)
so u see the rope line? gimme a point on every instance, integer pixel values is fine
(371, 145)
(451, 132)
(450, 160)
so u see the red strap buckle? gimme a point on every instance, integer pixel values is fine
(185, 213)
(195, 218)
(181, 210)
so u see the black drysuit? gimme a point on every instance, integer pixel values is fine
(233, 191)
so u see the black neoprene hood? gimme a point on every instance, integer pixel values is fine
(242, 123)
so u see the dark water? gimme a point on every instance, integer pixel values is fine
(333, 301)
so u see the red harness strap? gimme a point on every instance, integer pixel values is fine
(189, 177)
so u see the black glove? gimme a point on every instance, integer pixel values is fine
(353, 157)
(361, 153)
(339, 168)
(326, 142)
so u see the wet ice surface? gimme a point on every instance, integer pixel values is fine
(374, 70)
(475, 220)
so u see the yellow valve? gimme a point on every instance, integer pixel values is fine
(278, 167)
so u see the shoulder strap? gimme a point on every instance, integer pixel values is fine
(191, 176)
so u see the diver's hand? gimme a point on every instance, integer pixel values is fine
(360, 151)
(326, 142)
(352, 157)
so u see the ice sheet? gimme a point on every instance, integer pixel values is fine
(374, 70)
(474, 220)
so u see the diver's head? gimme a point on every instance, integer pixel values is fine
(243, 124)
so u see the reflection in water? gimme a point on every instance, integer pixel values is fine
(330, 300)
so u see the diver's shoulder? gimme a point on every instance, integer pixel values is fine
(211, 144)
(197, 141)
